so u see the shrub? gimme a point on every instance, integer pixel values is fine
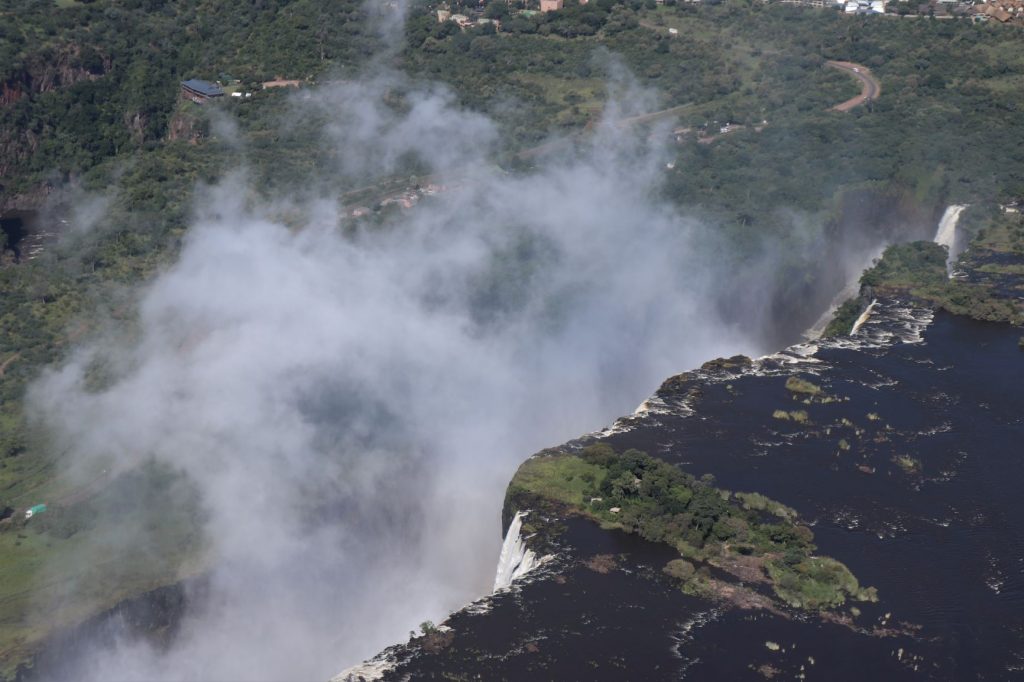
(679, 568)
(798, 385)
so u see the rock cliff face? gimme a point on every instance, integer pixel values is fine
(898, 447)
(43, 72)
(16, 147)
(59, 67)
(185, 126)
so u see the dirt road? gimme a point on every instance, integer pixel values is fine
(7, 363)
(870, 88)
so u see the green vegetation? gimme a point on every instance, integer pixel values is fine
(709, 526)
(95, 80)
(802, 386)
(816, 582)
(798, 416)
(909, 464)
(680, 569)
(566, 479)
(918, 270)
(843, 319)
(92, 549)
(807, 392)
(759, 502)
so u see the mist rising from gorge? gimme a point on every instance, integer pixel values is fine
(350, 403)
(351, 407)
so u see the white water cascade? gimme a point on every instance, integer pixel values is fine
(849, 291)
(516, 560)
(946, 234)
(863, 317)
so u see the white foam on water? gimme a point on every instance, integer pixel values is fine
(369, 671)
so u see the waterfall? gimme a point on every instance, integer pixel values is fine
(516, 559)
(946, 234)
(850, 290)
(863, 317)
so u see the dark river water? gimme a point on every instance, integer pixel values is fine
(25, 234)
(941, 542)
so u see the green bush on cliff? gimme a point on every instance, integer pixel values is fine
(918, 268)
(843, 319)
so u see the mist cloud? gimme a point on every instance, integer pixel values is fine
(352, 403)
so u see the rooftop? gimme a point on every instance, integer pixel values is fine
(203, 87)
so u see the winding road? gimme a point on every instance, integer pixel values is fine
(870, 88)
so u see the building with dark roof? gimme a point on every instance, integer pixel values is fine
(200, 91)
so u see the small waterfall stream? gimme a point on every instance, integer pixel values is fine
(946, 234)
(515, 559)
(863, 317)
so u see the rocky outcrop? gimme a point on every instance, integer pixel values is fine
(30, 200)
(52, 69)
(47, 70)
(136, 123)
(184, 126)
(16, 147)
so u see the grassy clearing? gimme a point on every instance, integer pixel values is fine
(571, 97)
(565, 479)
(140, 532)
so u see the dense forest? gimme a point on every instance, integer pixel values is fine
(85, 82)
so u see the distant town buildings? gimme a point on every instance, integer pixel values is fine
(1003, 11)
(864, 7)
(464, 21)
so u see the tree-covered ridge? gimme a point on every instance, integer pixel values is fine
(111, 72)
(84, 82)
(748, 535)
(932, 130)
